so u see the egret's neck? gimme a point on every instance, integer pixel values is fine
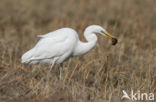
(84, 47)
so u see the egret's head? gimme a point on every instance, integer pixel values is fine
(102, 31)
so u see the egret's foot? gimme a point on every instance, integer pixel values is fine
(47, 85)
(46, 88)
(45, 79)
(60, 76)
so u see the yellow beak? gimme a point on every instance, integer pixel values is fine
(109, 35)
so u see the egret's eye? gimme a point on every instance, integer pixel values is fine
(102, 32)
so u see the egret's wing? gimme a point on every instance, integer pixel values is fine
(53, 34)
(46, 35)
(47, 47)
(50, 47)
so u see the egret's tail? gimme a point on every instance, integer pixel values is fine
(26, 57)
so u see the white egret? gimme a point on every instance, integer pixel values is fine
(57, 46)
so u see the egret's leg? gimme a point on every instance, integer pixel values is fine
(52, 65)
(51, 68)
(47, 78)
(61, 66)
(50, 71)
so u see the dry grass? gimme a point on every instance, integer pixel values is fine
(98, 76)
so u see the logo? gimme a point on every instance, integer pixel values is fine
(137, 95)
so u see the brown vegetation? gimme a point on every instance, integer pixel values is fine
(98, 76)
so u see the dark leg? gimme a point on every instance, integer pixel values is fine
(47, 78)
(61, 66)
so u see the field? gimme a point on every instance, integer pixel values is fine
(98, 76)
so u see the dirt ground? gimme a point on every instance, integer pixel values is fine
(98, 76)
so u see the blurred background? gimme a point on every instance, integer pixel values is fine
(98, 76)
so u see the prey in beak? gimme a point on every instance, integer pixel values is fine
(108, 35)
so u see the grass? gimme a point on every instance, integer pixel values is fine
(98, 76)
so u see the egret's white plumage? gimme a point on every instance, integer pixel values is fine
(57, 46)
